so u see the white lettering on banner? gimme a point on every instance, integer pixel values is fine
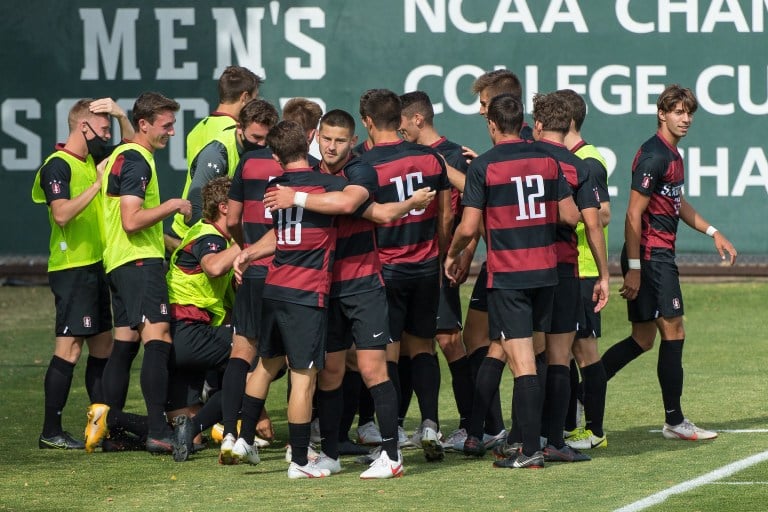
(315, 70)
(119, 47)
(433, 14)
(755, 158)
(166, 21)
(726, 13)
(697, 170)
(229, 36)
(450, 86)
(743, 76)
(30, 140)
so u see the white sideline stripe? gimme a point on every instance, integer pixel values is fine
(711, 477)
(734, 431)
(739, 483)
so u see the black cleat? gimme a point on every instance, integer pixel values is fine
(474, 447)
(183, 444)
(520, 461)
(564, 454)
(63, 441)
(347, 447)
(160, 445)
(506, 450)
(123, 442)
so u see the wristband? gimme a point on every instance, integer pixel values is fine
(634, 264)
(711, 230)
(300, 199)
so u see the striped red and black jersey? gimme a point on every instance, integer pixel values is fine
(658, 172)
(408, 247)
(518, 190)
(356, 265)
(300, 271)
(361, 148)
(585, 194)
(454, 155)
(249, 183)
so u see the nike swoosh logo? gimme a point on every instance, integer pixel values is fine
(396, 470)
(473, 300)
(378, 334)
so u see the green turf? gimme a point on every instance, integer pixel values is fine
(724, 389)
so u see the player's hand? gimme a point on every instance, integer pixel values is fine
(183, 207)
(239, 265)
(600, 293)
(631, 285)
(279, 198)
(723, 245)
(468, 153)
(422, 197)
(100, 167)
(264, 429)
(463, 264)
(106, 106)
(451, 269)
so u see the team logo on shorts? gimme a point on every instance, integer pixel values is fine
(164, 309)
(87, 321)
(676, 303)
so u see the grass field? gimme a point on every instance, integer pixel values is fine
(725, 389)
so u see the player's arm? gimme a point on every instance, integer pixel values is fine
(384, 213)
(567, 211)
(210, 163)
(64, 210)
(633, 222)
(261, 249)
(691, 217)
(444, 220)
(135, 217)
(343, 202)
(234, 217)
(218, 264)
(593, 229)
(605, 213)
(467, 231)
(109, 107)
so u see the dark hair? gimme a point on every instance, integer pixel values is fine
(383, 107)
(288, 141)
(507, 112)
(576, 105)
(418, 102)
(671, 96)
(552, 111)
(150, 104)
(498, 81)
(234, 81)
(258, 111)
(339, 118)
(214, 192)
(303, 111)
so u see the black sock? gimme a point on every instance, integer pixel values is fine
(232, 391)
(395, 378)
(366, 409)
(329, 407)
(298, 434)
(404, 386)
(94, 371)
(386, 411)
(252, 408)
(488, 380)
(670, 372)
(58, 380)
(208, 415)
(541, 372)
(526, 397)
(117, 373)
(620, 355)
(118, 420)
(425, 373)
(515, 435)
(494, 422)
(154, 386)
(570, 417)
(557, 393)
(595, 386)
(461, 381)
(352, 386)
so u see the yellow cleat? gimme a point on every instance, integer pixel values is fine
(96, 429)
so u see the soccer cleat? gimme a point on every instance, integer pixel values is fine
(402, 437)
(578, 431)
(309, 470)
(384, 467)
(368, 434)
(183, 438)
(347, 447)
(217, 435)
(492, 440)
(414, 440)
(430, 442)
(520, 461)
(314, 431)
(473, 447)
(325, 462)
(160, 445)
(506, 450)
(122, 442)
(63, 441)
(687, 431)
(225, 452)
(311, 453)
(457, 437)
(96, 428)
(244, 452)
(564, 454)
(586, 440)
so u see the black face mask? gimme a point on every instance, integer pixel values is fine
(98, 147)
(249, 146)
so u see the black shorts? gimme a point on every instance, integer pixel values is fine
(200, 346)
(139, 293)
(567, 308)
(293, 330)
(592, 325)
(449, 308)
(246, 313)
(660, 294)
(361, 319)
(479, 298)
(82, 301)
(185, 387)
(517, 313)
(413, 306)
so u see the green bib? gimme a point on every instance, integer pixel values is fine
(587, 265)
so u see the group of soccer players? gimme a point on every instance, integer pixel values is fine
(344, 271)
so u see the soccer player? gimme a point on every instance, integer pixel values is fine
(307, 114)
(651, 283)
(410, 249)
(518, 194)
(70, 185)
(215, 143)
(552, 120)
(417, 125)
(585, 345)
(133, 260)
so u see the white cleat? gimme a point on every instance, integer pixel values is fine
(311, 453)
(384, 467)
(687, 431)
(368, 434)
(244, 452)
(325, 462)
(309, 470)
(225, 453)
